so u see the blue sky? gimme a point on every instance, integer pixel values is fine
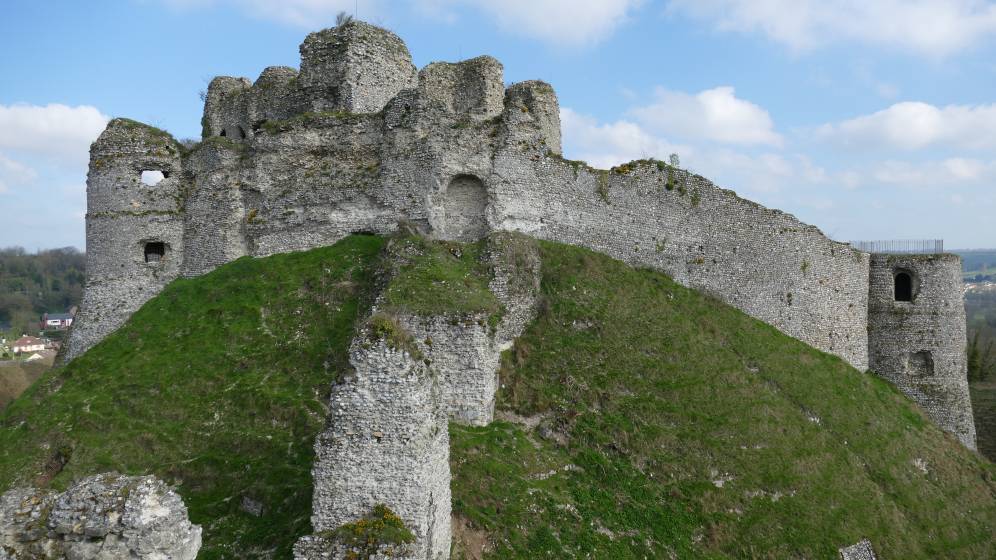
(870, 120)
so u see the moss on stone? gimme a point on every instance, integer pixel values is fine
(429, 277)
(148, 131)
(367, 536)
(384, 326)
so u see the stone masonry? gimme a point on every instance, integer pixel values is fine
(107, 516)
(386, 439)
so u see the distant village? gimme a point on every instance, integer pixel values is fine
(51, 330)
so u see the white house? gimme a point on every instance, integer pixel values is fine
(27, 344)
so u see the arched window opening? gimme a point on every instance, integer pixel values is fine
(223, 132)
(155, 251)
(904, 286)
(464, 206)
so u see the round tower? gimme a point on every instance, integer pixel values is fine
(916, 335)
(134, 228)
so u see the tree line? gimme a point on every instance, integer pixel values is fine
(980, 309)
(31, 284)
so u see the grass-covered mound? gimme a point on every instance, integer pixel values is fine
(661, 420)
(219, 384)
(671, 425)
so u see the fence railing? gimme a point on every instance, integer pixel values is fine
(919, 246)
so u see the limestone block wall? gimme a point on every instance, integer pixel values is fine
(464, 354)
(215, 217)
(386, 442)
(919, 345)
(762, 261)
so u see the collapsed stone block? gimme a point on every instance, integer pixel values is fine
(107, 516)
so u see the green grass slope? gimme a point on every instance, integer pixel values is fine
(219, 384)
(671, 425)
(643, 419)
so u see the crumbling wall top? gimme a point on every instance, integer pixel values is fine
(474, 87)
(354, 67)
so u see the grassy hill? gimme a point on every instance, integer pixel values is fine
(640, 419)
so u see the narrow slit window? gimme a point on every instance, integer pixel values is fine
(155, 251)
(904, 287)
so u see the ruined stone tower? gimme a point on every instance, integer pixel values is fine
(134, 231)
(916, 335)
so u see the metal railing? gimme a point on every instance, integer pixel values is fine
(918, 246)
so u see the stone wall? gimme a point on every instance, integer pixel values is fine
(919, 345)
(103, 516)
(762, 261)
(386, 441)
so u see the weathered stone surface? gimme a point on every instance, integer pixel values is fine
(107, 516)
(386, 441)
(316, 547)
(919, 345)
(860, 551)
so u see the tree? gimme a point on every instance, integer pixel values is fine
(342, 18)
(981, 362)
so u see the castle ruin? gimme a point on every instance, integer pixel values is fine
(359, 140)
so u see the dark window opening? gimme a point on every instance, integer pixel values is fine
(155, 251)
(242, 132)
(904, 287)
(223, 133)
(920, 364)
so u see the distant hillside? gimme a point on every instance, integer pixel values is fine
(978, 262)
(16, 376)
(32, 284)
(640, 420)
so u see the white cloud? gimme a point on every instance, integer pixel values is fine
(310, 14)
(13, 172)
(562, 22)
(605, 145)
(57, 131)
(915, 125)
(931, 27)
(714, 114)
(945, 173)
